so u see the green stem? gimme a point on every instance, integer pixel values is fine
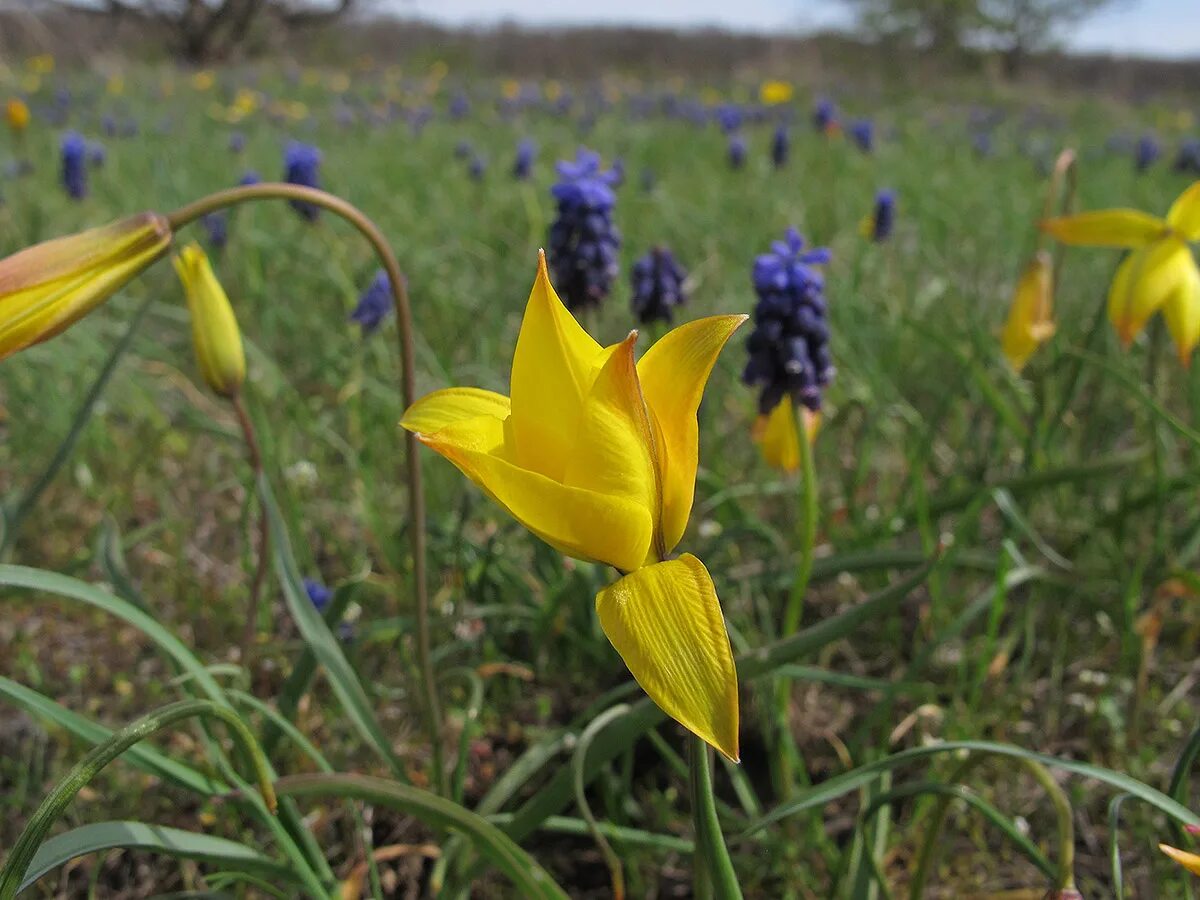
(712, 868)
(806, 529)
(416, 490)
(264, 532)
(1072, 383)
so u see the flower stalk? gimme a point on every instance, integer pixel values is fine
(416, 493)
(713, 873)
(264, 528)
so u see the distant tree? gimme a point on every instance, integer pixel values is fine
(1014, 27)
(201, 30)
(1019, 27)
(941, 26)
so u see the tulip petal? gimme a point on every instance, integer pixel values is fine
(576, 521)
(666, 623)
(673, 374)
(1028, 324)
(778, 437)
(435, 411)
(1143, 282)
(1181, 311)
(553, 367)
(1189, 861)
(614, 452)
(1184, 215)
(1106, 228)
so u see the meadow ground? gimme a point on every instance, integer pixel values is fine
(1064, 622)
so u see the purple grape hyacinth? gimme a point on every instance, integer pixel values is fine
(789, 347)
(302, 165)
(583, 241)
(884, 218)
(74, 151)
(374, 304)
(657, 286)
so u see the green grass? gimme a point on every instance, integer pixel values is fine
(925, 435)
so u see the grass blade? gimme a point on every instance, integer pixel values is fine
(176, 842)
(532, 880)
(320, 639)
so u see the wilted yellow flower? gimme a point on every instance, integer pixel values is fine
(116, 85)
(46, 288)
(510, 89)
(1160, 273)
(17, 114)
(597, 456)
(777, 435)
(1030, 323)
(339, 82)
(203, 80)
(775, 92)
(215, 334)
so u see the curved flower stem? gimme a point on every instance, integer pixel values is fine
(712, 868)
(264, 529)
(416, 491)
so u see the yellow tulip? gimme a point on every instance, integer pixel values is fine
(778, 437)
(1029, 322)
(1160, 274)
(597, 455)
(17, 114)
(215, 334)
(46, 288)
(1189, 861)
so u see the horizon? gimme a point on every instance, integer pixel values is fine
(1168, 29)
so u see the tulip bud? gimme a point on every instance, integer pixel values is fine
(1029, 322)
(48, 287)
(215, 334)
(17, 114)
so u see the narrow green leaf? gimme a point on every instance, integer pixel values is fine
(34, 834)
(72, 588)
(176, 842)
(842, 784)
(320, 639)
(144, 756)
(532, 880)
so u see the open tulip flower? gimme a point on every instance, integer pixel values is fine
(596, 455)
(1160, 273)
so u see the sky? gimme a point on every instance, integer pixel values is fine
(1151, 27)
